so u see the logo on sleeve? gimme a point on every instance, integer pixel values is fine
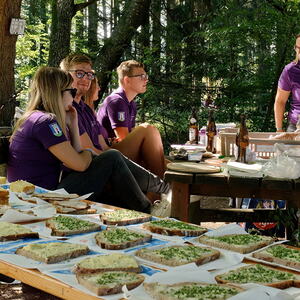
(55, 128)
(121, 116)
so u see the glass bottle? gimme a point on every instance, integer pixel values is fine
(193, 128)
(242, 140)
(211, 132)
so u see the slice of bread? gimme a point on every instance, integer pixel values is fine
(22, 186)
(109, 262)
(74, 211)
(179, 255)
(4, 196)
(191, 291)
(76, 204)
(242, 243)
(52, 252)
(65, 225)
(173, 227)
(108, 283)
(256, 273)
(280, 254)
(120, 238)
(10, 232)
(52, 196)
(124, 217)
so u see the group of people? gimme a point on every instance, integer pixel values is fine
(60, 141)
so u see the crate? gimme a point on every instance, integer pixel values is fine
(259, 142)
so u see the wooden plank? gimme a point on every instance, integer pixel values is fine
(180, 201)
(277, 184)
(43, 282)
(171, 176)
(243, 186)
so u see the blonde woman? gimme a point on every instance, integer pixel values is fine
(47, 137)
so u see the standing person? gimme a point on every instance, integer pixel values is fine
(143, 145)
(289, 83)
(47, 136)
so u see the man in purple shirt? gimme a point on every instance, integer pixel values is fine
(289, 82)
(118, 112)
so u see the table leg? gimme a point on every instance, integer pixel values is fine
(180, 201)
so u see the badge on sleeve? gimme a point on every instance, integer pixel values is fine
(121, 116)
(56, 130)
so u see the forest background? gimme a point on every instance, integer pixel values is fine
(229, 51)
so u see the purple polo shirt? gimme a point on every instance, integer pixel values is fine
(290, 81)
(116, 111)
(29, 157)
(87, 122)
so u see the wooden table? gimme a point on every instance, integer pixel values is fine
(219, 184)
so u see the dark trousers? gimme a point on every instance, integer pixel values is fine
(115, 180)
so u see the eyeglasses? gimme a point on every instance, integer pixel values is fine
(80, 74)
(73, 92)
(142, 76)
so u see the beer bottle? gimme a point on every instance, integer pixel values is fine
(242, 140)
(193, 128)
(211, 132)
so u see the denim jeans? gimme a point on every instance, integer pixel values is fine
(115, 180)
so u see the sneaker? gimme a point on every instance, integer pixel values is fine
(161, 208)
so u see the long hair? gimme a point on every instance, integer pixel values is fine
(46, 95)
(88, 99)
(297, 51)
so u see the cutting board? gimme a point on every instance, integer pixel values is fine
(191, 167)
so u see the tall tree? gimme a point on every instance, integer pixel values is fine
(62, 13)
(9, 9)
(133, 16)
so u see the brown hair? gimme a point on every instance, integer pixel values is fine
(297, 51)
(126, 68)
(88, 99)
(46, 95)
(73, 59)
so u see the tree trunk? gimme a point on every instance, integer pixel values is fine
(92, 29)
(62, 13)
(9, 9)
(133, 15)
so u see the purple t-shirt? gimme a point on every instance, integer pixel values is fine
(290, 81)
(87, 122)
(116, 111)
(29, 157)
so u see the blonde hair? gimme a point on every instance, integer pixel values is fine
(297, 53)
(46, 95)
(88, 99)
(73, 59)
(126, 68)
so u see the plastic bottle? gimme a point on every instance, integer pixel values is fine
(202, 136)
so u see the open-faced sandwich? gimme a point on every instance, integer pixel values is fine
(66, 225)
(242, 243)
(115, 238)
(123, 217)
(10, 231)
(280, 254)
(173, 227)
(191, 291)
(52, 252)
(179, 255)
(256, 273)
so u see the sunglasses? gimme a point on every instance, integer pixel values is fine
(142, 76)
(73, 92)
(80, 74)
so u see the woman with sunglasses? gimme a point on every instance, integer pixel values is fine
(289, 83)
(47, 137)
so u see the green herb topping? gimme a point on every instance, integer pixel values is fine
(71, 223)
(175, 225)
(284, 253)
(239, 239)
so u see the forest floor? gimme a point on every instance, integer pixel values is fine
(20, 291)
